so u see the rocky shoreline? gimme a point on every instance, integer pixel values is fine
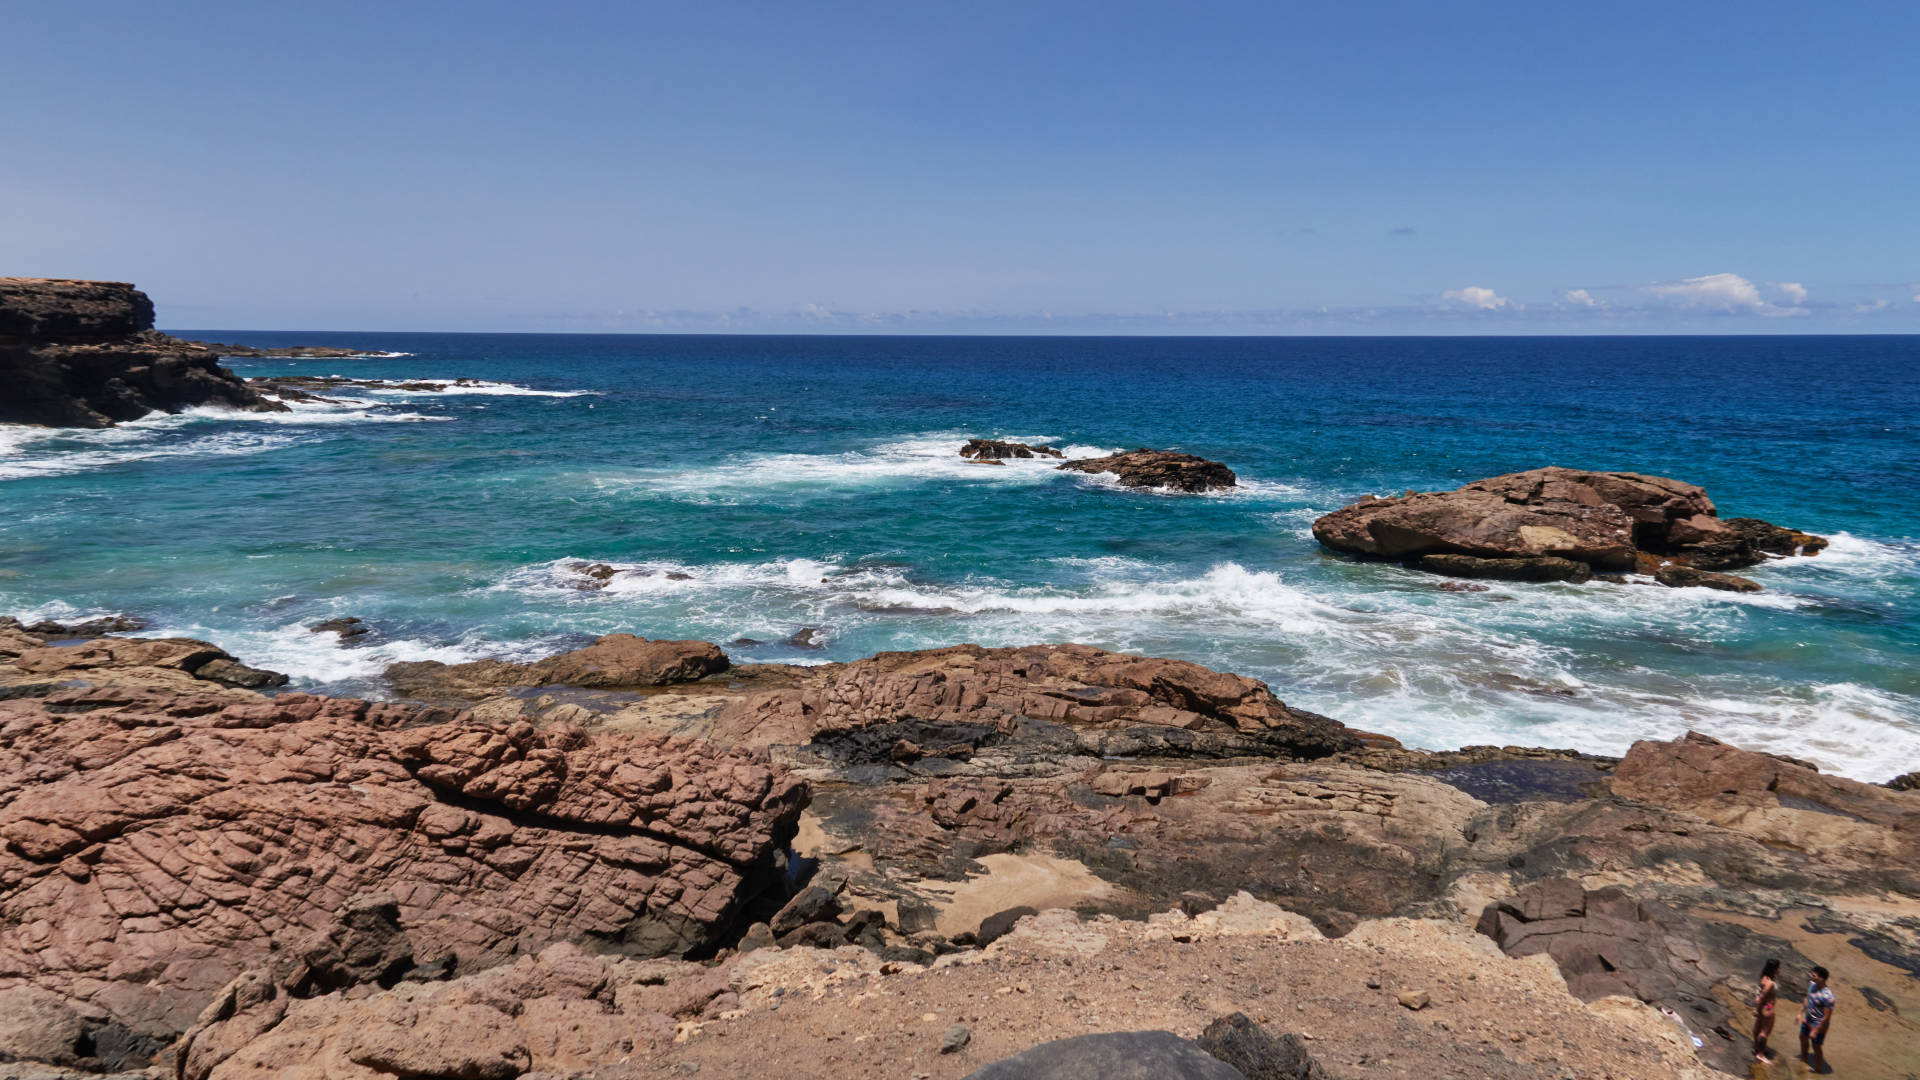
(640, 852)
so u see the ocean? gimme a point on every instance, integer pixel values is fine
(759, 486)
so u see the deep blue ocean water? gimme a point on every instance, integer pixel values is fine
(759, 485)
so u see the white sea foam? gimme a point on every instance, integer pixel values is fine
(226, 444)
(917, 459)
(1380, 649)
(470, 388)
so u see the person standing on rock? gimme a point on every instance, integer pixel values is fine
(1763, 1002)
(1816, 1015)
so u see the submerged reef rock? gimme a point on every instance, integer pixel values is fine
(158, 845)
(1159, 469)
(996, 449)
(1528, 525)
(84, 354)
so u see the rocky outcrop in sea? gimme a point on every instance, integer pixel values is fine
(85, 354)
(1557, 524)
(1159, 469)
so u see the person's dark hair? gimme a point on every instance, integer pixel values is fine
(1820, 971)
(1771, 969)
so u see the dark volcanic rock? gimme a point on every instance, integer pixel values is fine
(1156, 469)
(1114, 1055)
(155, 849)
(1607, 520)
(996, 449)
(1681, 577)
(348, 626)
(1245, 1045)
(1607, 942)
(84, 354)
(1544, 568)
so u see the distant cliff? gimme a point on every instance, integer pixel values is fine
(85, 354)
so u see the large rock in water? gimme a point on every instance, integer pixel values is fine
(1155, 469)
(158, 844)
(1606, 520)
(84, 354)
(996, 449)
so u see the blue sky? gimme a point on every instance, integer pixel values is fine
(1096, 167)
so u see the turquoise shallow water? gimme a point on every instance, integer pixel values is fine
(762, 485)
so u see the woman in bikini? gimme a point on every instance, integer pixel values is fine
(1763, 1010)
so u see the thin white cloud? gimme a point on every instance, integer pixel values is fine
(1795, 292)
(1729, 292)
(1724, 292)
(1475, 296)
(1877, 305)
(1583, 298)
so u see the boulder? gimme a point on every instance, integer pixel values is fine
(157, 846)
(1159, 469)
(998, 449)
(84, 354)
(1607, 520)
(1114, 1055)
(1257, 1054)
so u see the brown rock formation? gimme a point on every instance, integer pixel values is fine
(998, 449)
(176, 664)
(1098, 702)
(1158, 469)
(157, 845)
(613, 661)
(1608, 521)
(84, 354)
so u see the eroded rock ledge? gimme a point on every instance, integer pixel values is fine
(1557, 524)
(85, 354)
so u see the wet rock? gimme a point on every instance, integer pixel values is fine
(1159, 469)
(91, 628)
(346, 627)
(1680, 577)
(1543, 568)
(995, 449)
(233, 673)
(804, 638)
(1774, 540)
(1905, 782)
(1115, 1055)
(84, 354)
(591, 575)
(1607, 520)
(1256, 1054)
(164, 843)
